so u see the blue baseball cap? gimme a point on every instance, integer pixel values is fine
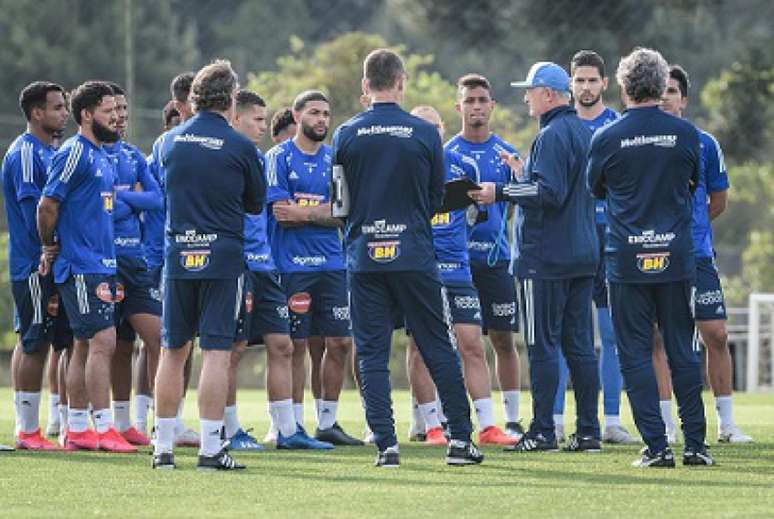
(545, 74)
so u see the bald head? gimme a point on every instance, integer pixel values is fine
(431, 115)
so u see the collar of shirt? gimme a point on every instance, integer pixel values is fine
(211, 117)
(643, 109)
(552, 113)
(384, 106)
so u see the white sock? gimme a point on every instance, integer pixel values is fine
(666, 413)
(210, 435)
(724, 407)
(165, 435)
(429, 413)
(29, 412)
(511, 405)
(485, 412)
(121, 412)
(317, 409)
(53, 408)
(77, 420)
(103, 420)
(417, 419)
(63, 415)
(612, 420)
(298, 413)
(327, 416)
(180, 424)
(282, 415)
(16, 412)
(559, 420)
(231, 420)
(142, 404)
(441, 414)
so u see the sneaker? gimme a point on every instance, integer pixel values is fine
(583, 444)
(671, 434)
(369, 437)
(733, 434)
(618, 434)
(35, 442)
(164, 461)
(243, 441)
(220, 461)
(112, 441)
(389, 458)
(663, 459)
(6, 448)
(463, 453)
(514, 430)
(336, 435)
(53, 429)
(301, 441)
(538, 443)
(493, 435)
(187, 438)
(559, 433)
(697, 457)
(416, 436)
(435, 436)
(135, 437)
(271, 435)
(87, 440)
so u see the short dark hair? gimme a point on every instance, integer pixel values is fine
(473, 81)
(679, 74)
(281, 120)
(35, 94)
(588, 58)
(87, 97)
(307, 96)
(213, 87)
(180, 88)
(383, 68)
(247, 98)
(117, 89)
(168, 113)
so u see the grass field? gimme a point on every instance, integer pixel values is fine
(342, 483)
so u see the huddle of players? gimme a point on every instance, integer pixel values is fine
(294, 292)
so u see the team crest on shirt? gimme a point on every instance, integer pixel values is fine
(107, 201)
(384, 251)
(53, 305)
(300, 302)
(655, 263)
(194, 260)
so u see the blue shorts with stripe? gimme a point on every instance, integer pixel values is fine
(497, 293)
(710, 303)
(39, 318)
(264, 308)
(317, 301)
(141, 293)
(89, 301)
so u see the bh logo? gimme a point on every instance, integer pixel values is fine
(384, 251)
(195, 260)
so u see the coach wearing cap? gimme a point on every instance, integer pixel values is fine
(558, 258)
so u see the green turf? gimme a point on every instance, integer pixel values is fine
(342, 483)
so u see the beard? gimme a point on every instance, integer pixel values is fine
(311, 134)
(103, 133)
(589, 104)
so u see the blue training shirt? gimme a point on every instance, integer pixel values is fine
(488, 241)
(24, 176)
(450, 230)
(212, 178)
(131, 169)
(81, 177)
(644, 164)
(257, 248)
(152, 221)
(394, 165)
(608, 115)
(713, 179)
(304, 179)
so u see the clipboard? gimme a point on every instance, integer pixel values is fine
(339, 192)
(456, 195)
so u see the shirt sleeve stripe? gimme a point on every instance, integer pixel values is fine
(72, 161)
(512, 190)
(26, 162)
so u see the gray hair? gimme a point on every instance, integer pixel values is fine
(214, 86)
(643, 75)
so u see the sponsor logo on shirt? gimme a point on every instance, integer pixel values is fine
(194, 260)
(309, 261)
(107, 201)
(191, 237)
(711, 297)
(384, 251)
(300, 302)
(308, 199)
(480, 246)
(210, 143)
(447, 267)
(257, 258)
(664, 141)
(109, 263)
(382, 229)
(402, 132)
(651, 239)
(126, 242)
(441, 219)
(654, 263)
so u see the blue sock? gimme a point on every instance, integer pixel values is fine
(564, 374)
(610, 368)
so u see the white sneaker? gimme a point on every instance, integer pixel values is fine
(559, 433)
(52, 429)
(618, 434)
(368, 436)
(733, 434)
(271, 435)
(671, 434)
(187, 438)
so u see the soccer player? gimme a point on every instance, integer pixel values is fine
(139, 300)
(645, 165)
(709, 202)
(212, 178)
(589, 82)
(393, 163)
(558, 256)
(75, 223)
(153, 245)
(450, 242)
(265, 314)
(308, 253)
(490, 253)
(283, 126)
(35, 298)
